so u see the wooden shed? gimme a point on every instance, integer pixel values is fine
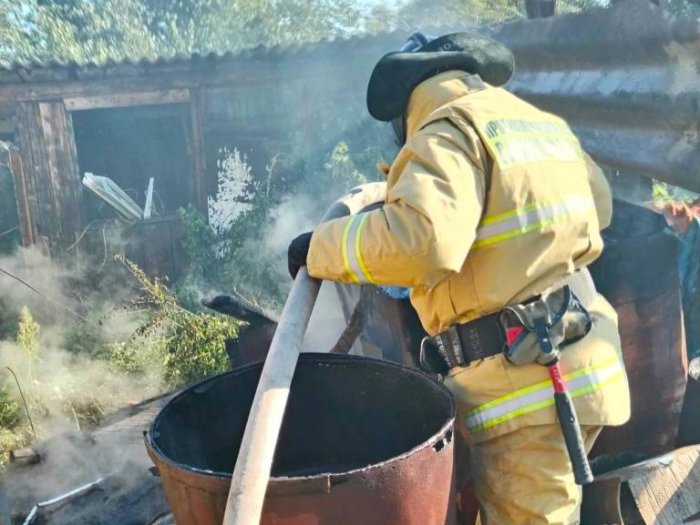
(166, 119)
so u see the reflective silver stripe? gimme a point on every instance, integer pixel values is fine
(523, 220)
(539, 396)
(352, 247)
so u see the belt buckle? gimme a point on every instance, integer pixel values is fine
(438, 364)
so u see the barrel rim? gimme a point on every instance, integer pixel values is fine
(447, 428)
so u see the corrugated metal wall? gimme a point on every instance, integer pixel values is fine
(627, 80)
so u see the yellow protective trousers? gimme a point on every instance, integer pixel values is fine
(525, 477)
(521, 469)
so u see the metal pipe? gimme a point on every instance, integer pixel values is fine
(61, 499)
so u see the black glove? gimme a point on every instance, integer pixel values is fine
(297, 253)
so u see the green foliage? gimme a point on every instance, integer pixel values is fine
(11, 439)
(684, 8)
(85, 339)
(95, 30)
(135, 358)
(198, 242)
(249, 254)
(100, 30)
(28, 332)
(10, 410)
(341, 168)
(665, 193)
(252, 269)
(195, 348)
(457, 12)
(9, 318)
(17, 32)
(191, 344)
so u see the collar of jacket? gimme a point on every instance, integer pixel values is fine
(432, 94)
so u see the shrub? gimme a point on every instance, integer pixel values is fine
(192, 344)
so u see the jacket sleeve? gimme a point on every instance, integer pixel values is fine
(427, 225)
(601, 192)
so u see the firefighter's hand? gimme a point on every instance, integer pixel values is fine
(297, 253)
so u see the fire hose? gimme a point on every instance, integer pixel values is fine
(251, 472)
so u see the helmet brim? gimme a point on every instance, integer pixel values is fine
(397, 74)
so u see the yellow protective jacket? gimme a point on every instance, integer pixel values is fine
(490, 202)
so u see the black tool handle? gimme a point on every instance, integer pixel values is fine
(573, 439)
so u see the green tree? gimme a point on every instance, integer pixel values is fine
(16, 31)
(459, 13)
(684, 8)
(102, 30)
(240, 24)
(94, 30)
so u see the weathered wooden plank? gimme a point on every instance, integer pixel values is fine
(6, 125)
(26, 167)
(48, 191)
(39, 190)
(14, 161)
(118, 100)
(197, 145)
(62, 170)
(668, 495)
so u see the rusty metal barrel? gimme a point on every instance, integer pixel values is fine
(638, 274)
(363, 442)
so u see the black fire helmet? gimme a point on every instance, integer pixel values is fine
(398, 73)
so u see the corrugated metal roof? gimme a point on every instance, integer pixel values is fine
(260, 52)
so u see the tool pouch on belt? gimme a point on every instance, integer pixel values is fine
(564, 318)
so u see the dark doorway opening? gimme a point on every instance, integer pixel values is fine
(131, 145)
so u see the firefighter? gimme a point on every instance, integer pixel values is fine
(492, 213)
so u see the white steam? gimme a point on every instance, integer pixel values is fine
(66, 390)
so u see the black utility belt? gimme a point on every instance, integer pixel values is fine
(563, 310)
(462, 344)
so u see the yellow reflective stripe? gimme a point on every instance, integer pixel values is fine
(358, 253)
(504, 226)
(513, 233)
(537, 386)
(543, 404)
(351, 250)
(545, 383)
(540, 395)
(508, 214)
(344, 250)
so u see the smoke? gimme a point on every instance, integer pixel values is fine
(33, 267)
(62, 349)
(294, 216)
(70, 460)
